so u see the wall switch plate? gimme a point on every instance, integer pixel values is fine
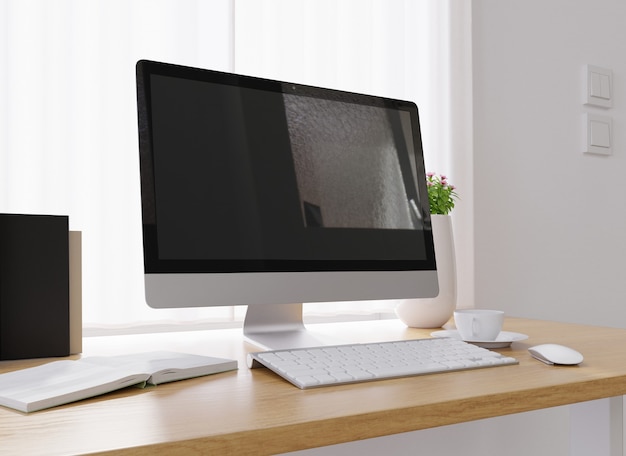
(598, 134)
(599, 87)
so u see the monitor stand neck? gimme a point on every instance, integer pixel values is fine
(277, 326)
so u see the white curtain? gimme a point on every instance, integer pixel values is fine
(417, 50)
(68, 136)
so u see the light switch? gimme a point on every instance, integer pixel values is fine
(599, 87)
(598, 134)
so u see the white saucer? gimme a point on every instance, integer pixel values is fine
(504, 339)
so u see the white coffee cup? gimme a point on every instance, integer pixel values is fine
(478, 324)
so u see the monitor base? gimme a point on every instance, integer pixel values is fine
(277, 327)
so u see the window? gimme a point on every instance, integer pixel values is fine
(68, 142)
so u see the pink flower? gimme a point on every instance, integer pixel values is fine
(441, 194)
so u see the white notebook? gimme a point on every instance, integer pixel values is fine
(61, 382)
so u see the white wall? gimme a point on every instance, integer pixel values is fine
(550, 221)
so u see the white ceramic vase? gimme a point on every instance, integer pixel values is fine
(435, 312)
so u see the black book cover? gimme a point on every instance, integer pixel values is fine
(34, 286)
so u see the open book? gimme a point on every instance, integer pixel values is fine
(60, 382)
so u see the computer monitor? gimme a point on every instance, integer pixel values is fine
(269, 194)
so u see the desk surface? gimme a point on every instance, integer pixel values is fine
(255, 412)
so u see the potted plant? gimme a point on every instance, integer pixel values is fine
(441, 194)
(435, 312)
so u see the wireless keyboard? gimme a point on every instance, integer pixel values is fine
(340, 364)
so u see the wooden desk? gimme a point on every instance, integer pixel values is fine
(255, 412)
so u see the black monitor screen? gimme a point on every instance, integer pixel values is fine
(248, 174)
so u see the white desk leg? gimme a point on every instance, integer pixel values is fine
(597, 427)
(617, 426)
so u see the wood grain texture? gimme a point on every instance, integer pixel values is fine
(256, 412)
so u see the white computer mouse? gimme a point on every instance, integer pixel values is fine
(556, 354)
